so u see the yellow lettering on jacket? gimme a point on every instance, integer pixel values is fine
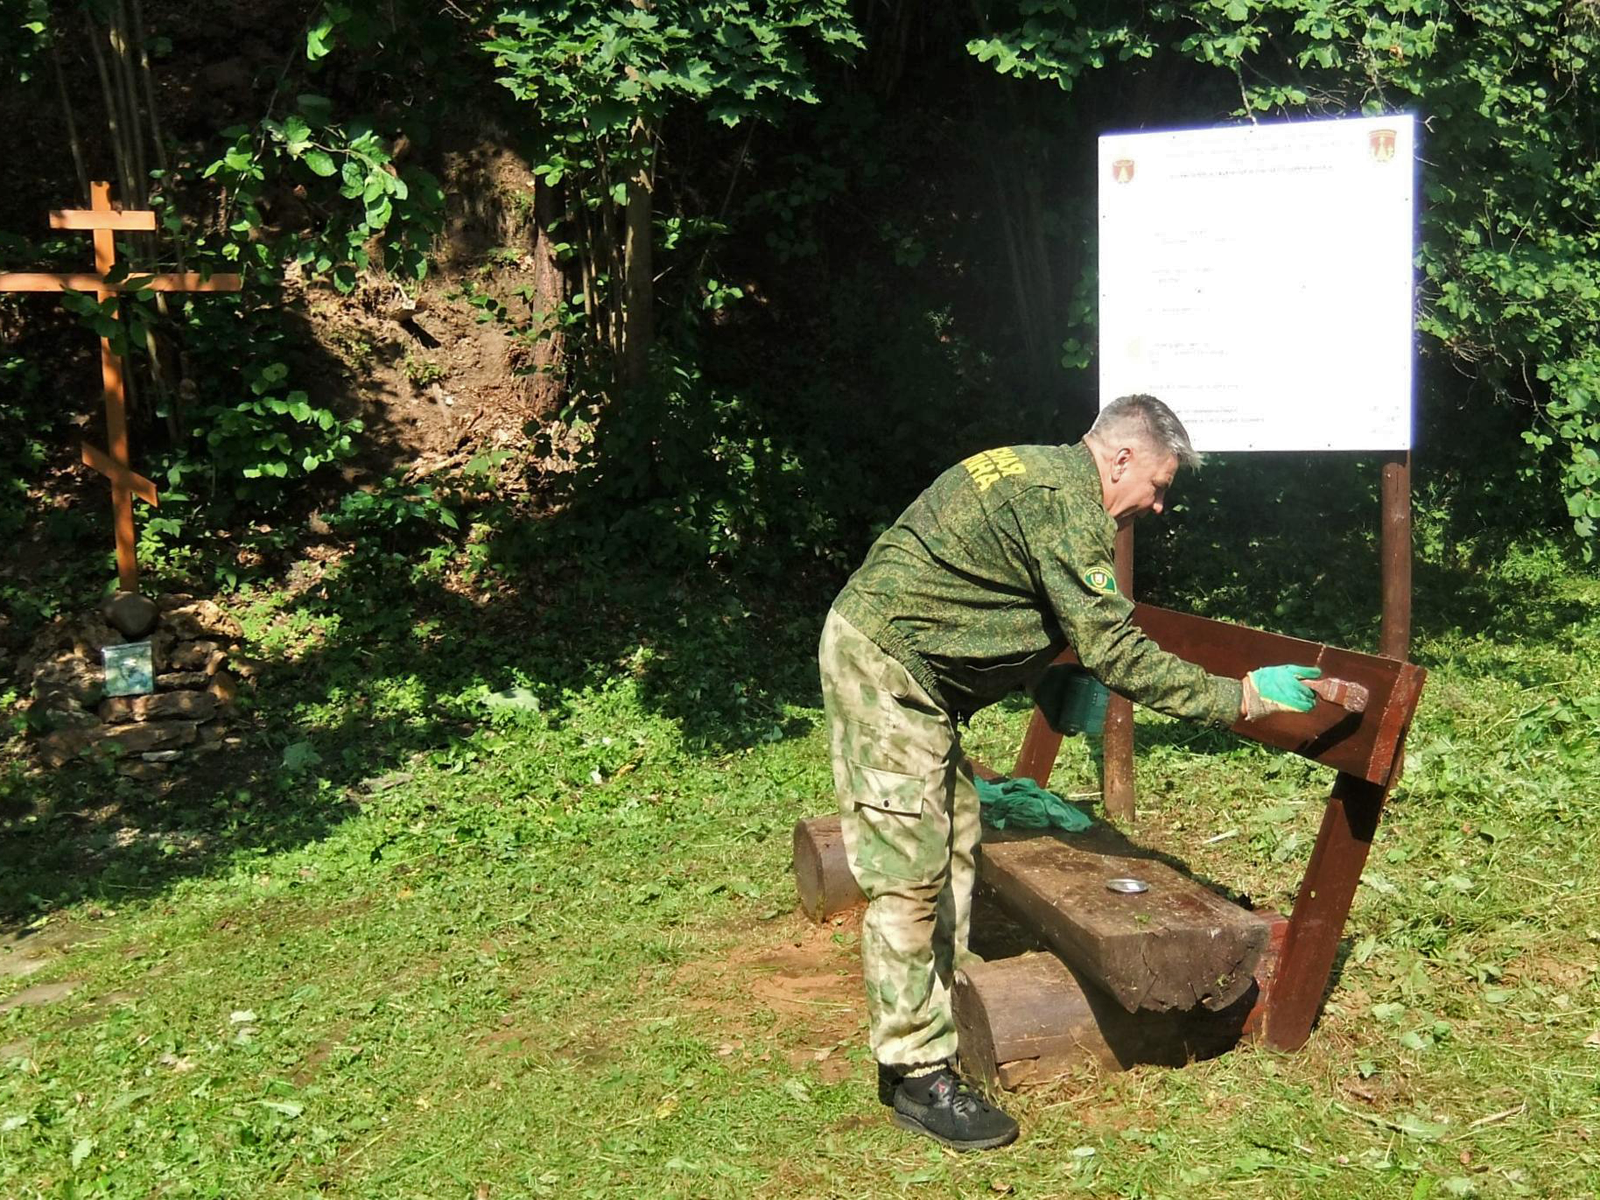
(991, 466)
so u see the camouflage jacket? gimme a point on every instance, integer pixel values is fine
(1002, 563)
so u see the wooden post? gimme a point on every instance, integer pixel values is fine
(1116, 755)
(1394, 551)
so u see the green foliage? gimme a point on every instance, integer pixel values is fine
(24, 34)
(393, 514)
(344, 169)
(687, 471)
(1510, 100)
(594, 71)
(604, 78)
(247, 429)
(22, 452)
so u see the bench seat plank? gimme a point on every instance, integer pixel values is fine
(1177, 946)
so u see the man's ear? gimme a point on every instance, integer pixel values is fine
(1120, 461)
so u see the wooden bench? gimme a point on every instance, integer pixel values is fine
(1175, 971)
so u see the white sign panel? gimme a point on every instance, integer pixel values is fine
(1258, 279)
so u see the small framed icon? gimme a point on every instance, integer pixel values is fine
(130, 669)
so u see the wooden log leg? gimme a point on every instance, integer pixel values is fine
(822, 869)
(1027, 1019)
(1312, 940)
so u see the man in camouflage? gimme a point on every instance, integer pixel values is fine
(1001, 564)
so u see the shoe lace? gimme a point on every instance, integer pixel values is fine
(965, 1102)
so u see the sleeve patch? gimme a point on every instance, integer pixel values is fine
(991, 466)
(1098, 579)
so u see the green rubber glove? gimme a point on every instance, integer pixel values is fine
(1270, 690)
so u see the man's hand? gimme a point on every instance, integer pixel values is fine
(1270, 690)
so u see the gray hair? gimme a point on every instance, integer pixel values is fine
(1146, 421)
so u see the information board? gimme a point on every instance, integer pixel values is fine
(1258, 278)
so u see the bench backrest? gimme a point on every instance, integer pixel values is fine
(1365, 744)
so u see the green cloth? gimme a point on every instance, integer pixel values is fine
(1003, 562)
(1023, 804)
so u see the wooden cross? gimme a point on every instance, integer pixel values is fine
(106, 221)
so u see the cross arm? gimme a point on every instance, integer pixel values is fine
(120, 475)
(184, 281)
(141, 219)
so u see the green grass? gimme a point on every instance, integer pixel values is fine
(495, 902)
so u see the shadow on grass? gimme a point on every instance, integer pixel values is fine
(399, 668)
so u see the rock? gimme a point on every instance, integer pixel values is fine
(89, 635)
(161, 644)
(225, 689)
(161, 756)
(200, 619)
(192, 655)
(145, 771)
(117, 710)
(158, 706)
(195, 706)
(59, 748)
(152, 735)
(173, 680)
(68, 681)
(68, 718)
(246, 667)
(382, 783)
(132, 614)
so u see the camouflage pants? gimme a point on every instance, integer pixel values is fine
(910, 815)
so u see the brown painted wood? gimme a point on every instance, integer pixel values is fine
(822, 869)
(1316, 924)
(119, 475)
(172, 281)
(1116, 748)
(135, 220)
(1176, 946)
(1040, 745)
(1027, 1019)
(1360, 743)
(103, 219)
(1394, 556)
(1328, 887)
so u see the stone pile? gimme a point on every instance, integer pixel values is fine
(198, 673)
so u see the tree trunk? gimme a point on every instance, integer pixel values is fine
(548, 386)
(638, 289)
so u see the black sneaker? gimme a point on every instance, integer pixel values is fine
(946, 1109)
